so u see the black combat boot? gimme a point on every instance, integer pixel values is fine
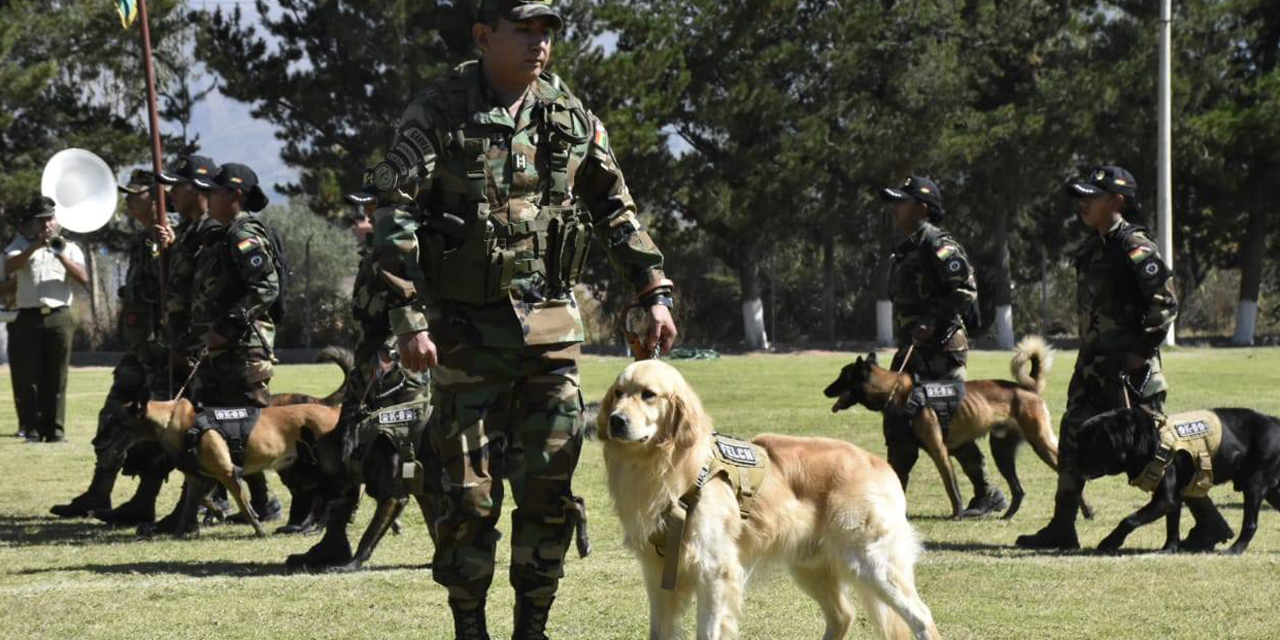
(97, 496)
(993, 501)
(332, 551)
(1060, 533)
(531, 618)
(468, 620)
(140, 509)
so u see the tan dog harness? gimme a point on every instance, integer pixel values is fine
(1199, 433)
(742, 464)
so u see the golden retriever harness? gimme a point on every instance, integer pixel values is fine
(1199, 434)
(742, 464)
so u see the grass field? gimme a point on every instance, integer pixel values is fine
(77, 579)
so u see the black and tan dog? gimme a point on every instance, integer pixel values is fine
(272, 444)
(1010, 411)
(1155, 453)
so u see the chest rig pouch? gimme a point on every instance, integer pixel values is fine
(233, 424)
(401, 426)
(943, 396)
(478, 265)
(1196, 433)
(742, 464)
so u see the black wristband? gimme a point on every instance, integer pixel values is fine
(661, 297)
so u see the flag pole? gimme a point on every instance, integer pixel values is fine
(162, 218)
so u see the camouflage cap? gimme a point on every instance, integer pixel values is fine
(139, 182)
(918, 188)
(1104, 179)
(517, 10)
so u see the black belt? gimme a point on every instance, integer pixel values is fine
(44, 311)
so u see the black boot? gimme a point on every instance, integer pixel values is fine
(333, 550)
(97, 496)
(140, 509)
(993, 501)
(303, 510)
(468, 620)
(1060, 533)
(531, 618)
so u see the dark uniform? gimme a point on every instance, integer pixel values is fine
(236, 284)
(932, 285)
(1126, 304)
(499, 209)
(142, 373)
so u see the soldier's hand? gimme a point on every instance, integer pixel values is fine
(921, 333)
(662, 329)
(164, 233)
(417, 351)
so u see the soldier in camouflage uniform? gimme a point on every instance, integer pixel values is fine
(377, 381)
(1126, 304)
(235, 285)
(496, 177)
(932, 287)
(192, 202)
(142, 372)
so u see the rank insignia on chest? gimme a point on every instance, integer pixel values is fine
(521, 162)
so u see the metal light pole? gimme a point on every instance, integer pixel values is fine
(1164, 167)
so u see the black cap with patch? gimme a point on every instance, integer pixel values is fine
(198, 170)
(916, 188)
(517, 10)
(1104, 179)
(234, 175)
(139, 182)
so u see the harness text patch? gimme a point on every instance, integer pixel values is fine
(397, 416)
(230, 414)
(1191, 429)
(939, 391)
(739, 454)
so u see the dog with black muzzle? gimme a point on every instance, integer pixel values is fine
(1178, 458)
(1010, 411)
(701, 511)
(273, 443)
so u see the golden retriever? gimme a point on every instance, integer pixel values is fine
(834, 514)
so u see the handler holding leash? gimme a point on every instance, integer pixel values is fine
(1126, 306)
(511, 173)
(932, 286)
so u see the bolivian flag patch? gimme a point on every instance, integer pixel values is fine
(946, 251)
(1138, 254)
(246, 245)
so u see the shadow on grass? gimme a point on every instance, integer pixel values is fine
(1010, 551)
(34, 531)
(197, 569)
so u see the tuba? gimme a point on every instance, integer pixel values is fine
(83, 187)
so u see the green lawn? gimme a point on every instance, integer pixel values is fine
(76, 579)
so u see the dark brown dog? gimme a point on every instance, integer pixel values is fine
(1010, 411)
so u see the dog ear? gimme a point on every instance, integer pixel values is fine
(607, 404)
(687, 419)
(871, 357)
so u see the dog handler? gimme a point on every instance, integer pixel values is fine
(1126, 306)
(512, 172)
(932, 286)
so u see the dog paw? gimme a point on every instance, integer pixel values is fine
(1110, 544)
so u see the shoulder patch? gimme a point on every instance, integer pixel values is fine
(946, 251)
(1140, 253)
(248, 244)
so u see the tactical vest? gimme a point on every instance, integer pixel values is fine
(479, 263)
(1199, 434)
(402, 425)
(742, 464)
(943, 396)
(234, 424)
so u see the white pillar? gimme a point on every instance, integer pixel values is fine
(753, 322)
(1246, 321)
(884, 323)
(1164, 166)
(1004, 326)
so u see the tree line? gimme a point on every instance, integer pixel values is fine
(755, 133)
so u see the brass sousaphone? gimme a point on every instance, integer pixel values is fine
(83, 187)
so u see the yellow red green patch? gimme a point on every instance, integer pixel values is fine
(247, 244)
(946, 251)
(1138, 254)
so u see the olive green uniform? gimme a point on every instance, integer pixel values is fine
(493, 284)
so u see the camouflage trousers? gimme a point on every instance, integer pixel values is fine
(1095, 388)
(238, 378)
(902, 446)
(130, 381)
(513, 414)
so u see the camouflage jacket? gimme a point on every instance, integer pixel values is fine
(370, 299)
(1124, 297)
(458, 152)
(235, 285)
(182, 269)
(932, 284)
(140, 321)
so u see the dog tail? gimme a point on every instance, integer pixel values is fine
(885, 577)
(1035, 354)
(346, 360)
